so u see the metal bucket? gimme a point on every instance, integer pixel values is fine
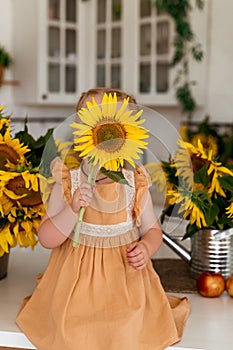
(212, 251)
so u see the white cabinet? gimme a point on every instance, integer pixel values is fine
(133, 49)
(46, 50)
(63, 47)
(62, 38)
(153, 55)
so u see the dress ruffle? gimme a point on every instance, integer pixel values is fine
(142, 184)
(61, 174)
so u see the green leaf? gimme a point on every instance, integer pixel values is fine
(225, 222)
(201, 200)
(51, 153)
(116, 176)
(184, 96)
(170, 171)
(190, 231)
(3, 130)
(36, 146)
(184, 46)
(221, 202)
(211, 214)
(5, 57)
(183, 28)
(226, 182)
(197, 53)
(179, 50)
(201, 176)
(24, 136)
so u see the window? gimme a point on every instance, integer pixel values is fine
(62, 46)
(154, 50)
(109, 32)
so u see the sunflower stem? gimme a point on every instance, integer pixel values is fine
(90, 180)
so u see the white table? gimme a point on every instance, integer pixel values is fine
(209, 327)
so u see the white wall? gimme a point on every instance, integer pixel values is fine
(6, 35)
(219, 104)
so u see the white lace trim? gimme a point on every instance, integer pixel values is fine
(75, 180)
(109, 241)
(106, 230)
(130, 192)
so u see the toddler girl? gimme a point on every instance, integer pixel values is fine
(104, 294)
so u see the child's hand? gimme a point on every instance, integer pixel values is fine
(137, 255)
(82, 196)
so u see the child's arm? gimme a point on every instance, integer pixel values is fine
(139, 253)
(61, 218)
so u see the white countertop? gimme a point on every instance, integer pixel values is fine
(209, 327)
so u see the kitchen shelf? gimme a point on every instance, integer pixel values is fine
(11, 82)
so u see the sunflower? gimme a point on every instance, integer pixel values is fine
(25, 231)
(6, 239)
(196, 215)
(199, 157)
(175, 197)
(208, 142)
(22, 227)
(229, 210)
(45, 186)
(216, 171)
(25, 223)
(68, 155)
(192, 205)
(189, 159)
(21, 208)
(157, 175)
(4, 124)
(184, 132)
(20, 187)
(11, 151)
(109, 136)
(6, 204)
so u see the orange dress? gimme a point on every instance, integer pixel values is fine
(89, 297)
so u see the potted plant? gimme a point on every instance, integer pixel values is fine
(199, 189)
(5, 61)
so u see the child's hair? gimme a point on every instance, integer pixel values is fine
(92, 92)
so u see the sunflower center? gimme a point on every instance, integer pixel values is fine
(17, 185)
(109, 136)
(9, 153)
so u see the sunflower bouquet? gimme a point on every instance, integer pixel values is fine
(108, 135)
(21, 207)
(197, 187)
